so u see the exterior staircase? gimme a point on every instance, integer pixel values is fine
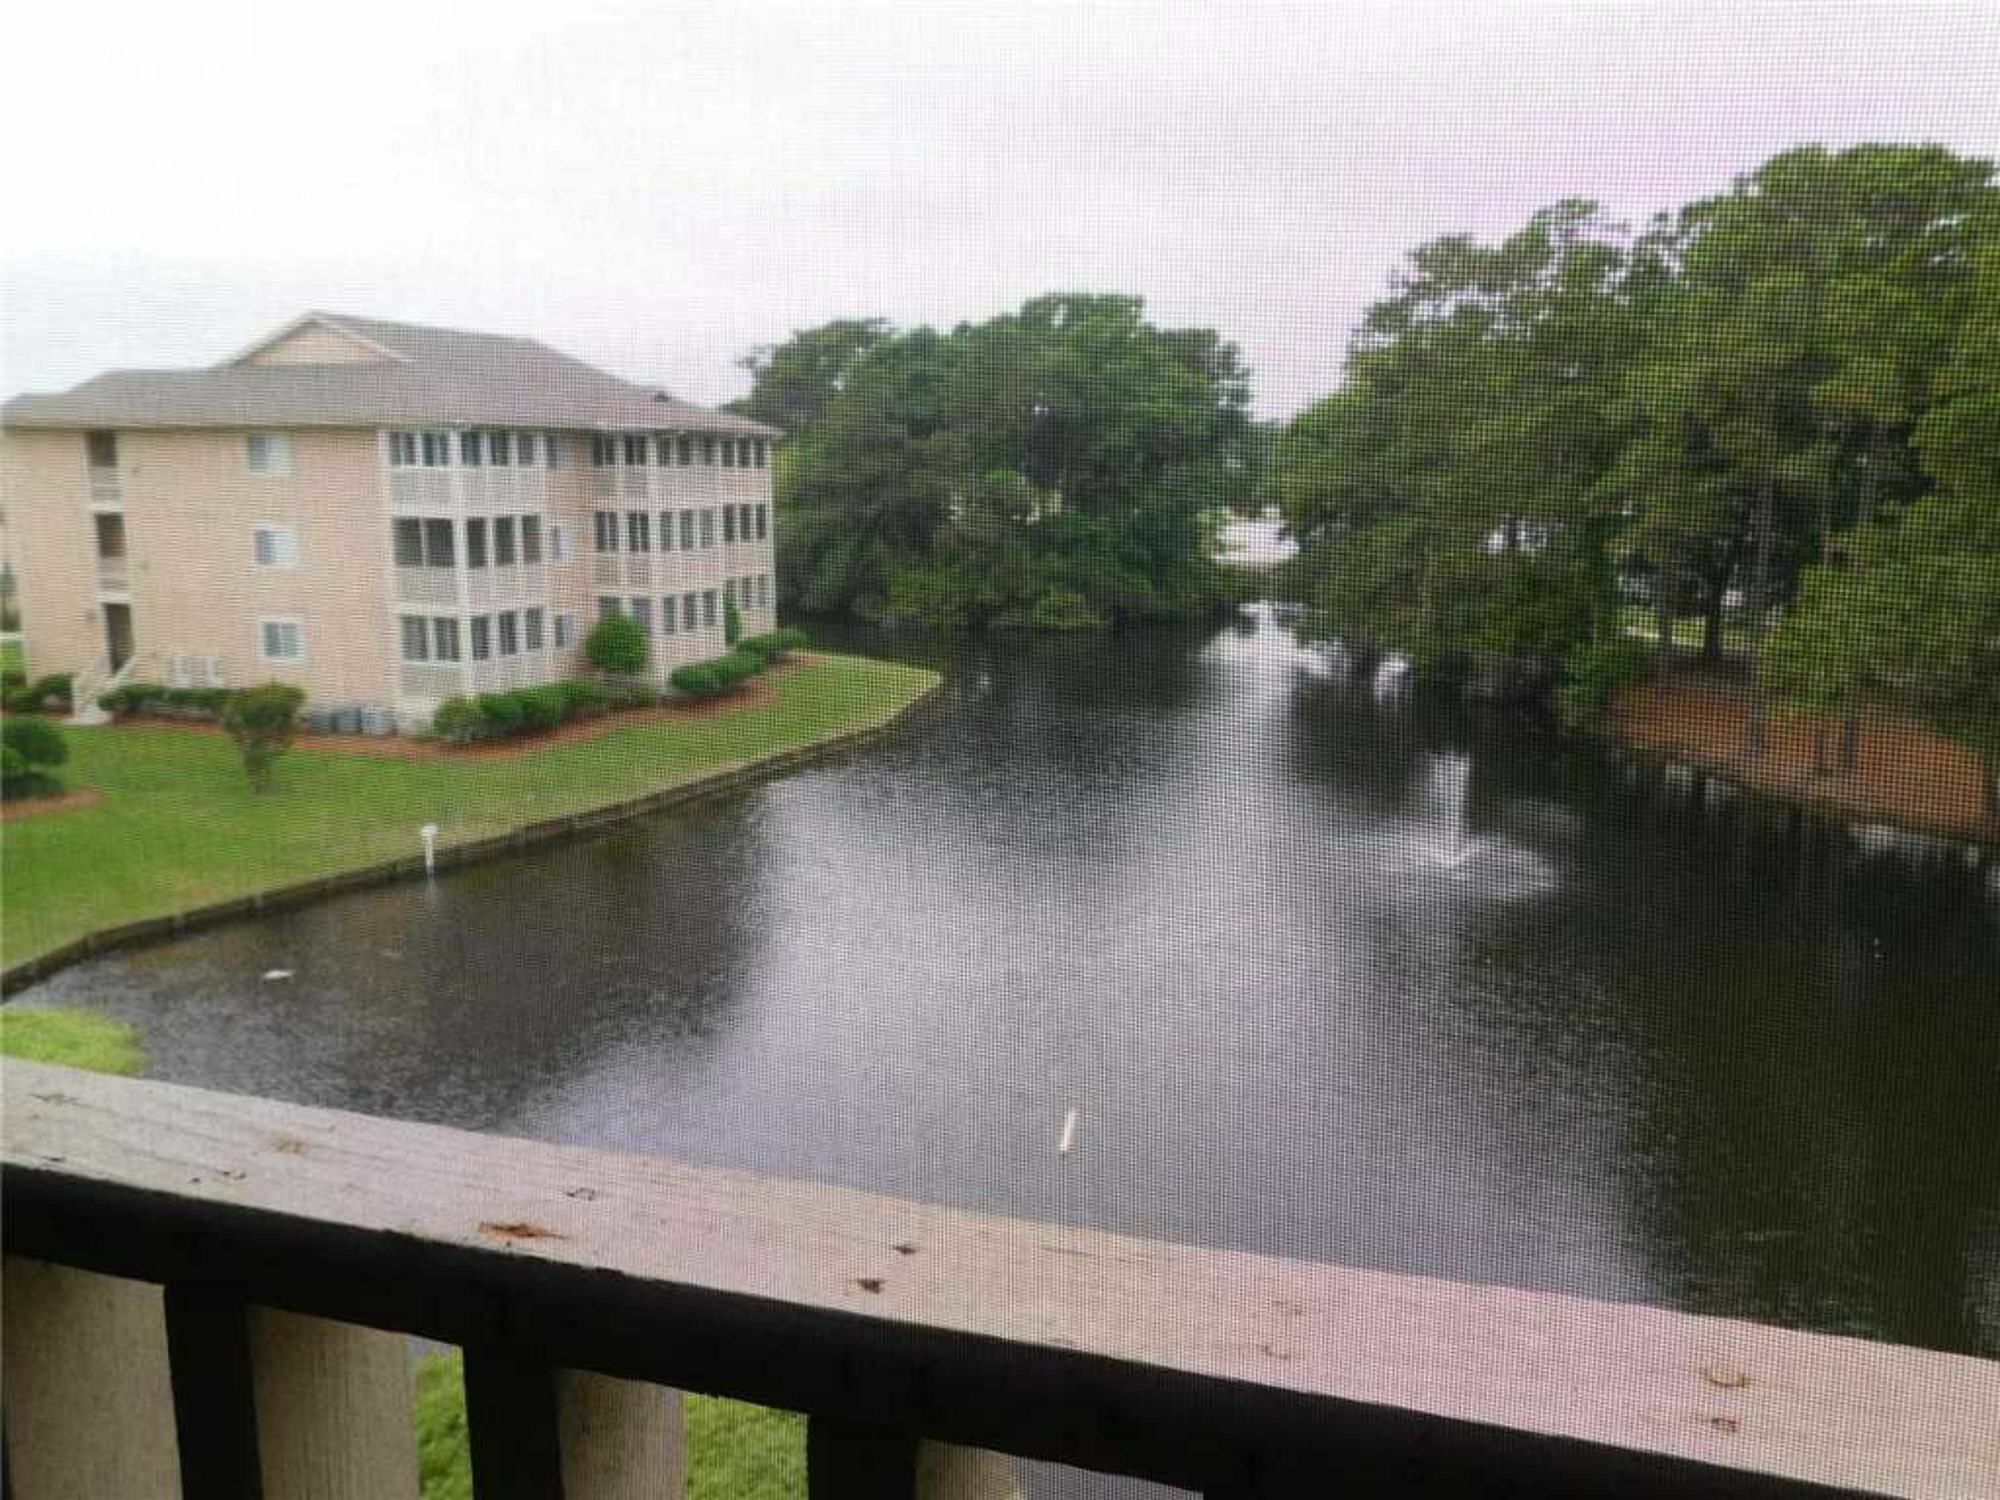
(93, 683)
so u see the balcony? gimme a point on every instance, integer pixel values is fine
(113, 575)
(578, 1282)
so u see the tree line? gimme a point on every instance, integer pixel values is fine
(1783, 398)
(1054, 467)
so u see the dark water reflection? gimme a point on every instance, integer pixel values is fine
(1377, 983)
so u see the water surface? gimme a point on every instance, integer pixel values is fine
(1374, 981)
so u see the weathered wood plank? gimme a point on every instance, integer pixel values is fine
(1163, 1360)
(847, 1461)
(88, 1397)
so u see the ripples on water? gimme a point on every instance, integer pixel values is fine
(1327, 973)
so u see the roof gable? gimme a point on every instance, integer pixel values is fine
(314, 339)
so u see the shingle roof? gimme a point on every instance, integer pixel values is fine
(428, 375)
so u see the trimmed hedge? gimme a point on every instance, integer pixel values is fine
(44, 692)
(173, 702)
(530, 710)
(710, 679)
(776, 645)
(26, 747)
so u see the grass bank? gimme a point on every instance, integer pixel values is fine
(72, 1038)
(179, 827)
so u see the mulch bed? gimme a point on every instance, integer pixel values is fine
(756, 692)
(74, 800)
(1905, 774)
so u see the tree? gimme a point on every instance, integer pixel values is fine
(28, 746)
(796, 381)
(1003, 472)
(617, 644)
(263, 721)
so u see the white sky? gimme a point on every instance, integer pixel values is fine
(659, 188)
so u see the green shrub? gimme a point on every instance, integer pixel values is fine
(30, 746)
(12, 677)
(1595, 672)
(776, 645)
(708, 679)
(617, 644)
(583, 699)
(502, 712)
(53, 689)
(542, 708)
(1063, 609)
(630, 693)
(264, 721)
(459, 721)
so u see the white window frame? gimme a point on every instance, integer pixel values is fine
(180, 671)
(558, 536)
(298, 628)
(284, 546)
(277, 453)
(565, 631)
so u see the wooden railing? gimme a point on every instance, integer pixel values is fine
(275, 1254)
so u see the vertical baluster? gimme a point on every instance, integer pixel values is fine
(334, 1409)
(569, 1435)
(846, 1461)
(511, 1421)
(90, 1407)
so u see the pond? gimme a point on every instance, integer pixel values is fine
(1324, 972)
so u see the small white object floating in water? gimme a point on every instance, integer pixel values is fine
(271, 974)
(1068, 1141)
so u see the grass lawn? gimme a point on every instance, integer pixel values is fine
(735, 1451)
(12, 657)
(74, 1038)
(180, 827)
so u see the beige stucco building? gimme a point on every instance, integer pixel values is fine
(381, 513)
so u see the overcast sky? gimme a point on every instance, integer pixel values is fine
(660, 188)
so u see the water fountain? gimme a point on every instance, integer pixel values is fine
(1448, 787)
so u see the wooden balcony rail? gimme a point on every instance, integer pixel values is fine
(580, 1283)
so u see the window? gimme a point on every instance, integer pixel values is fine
(642, 611)
(602, 452)
(409, 543)
(552, 450)
(605, 530)
(637, 526)
(558, 543)
(423, 544)
(482, 637)
(274, 547)
(668, 615)
(531, 629)
(531, 539)
(402, 449)
(475, 542)
(607, 606)
(764, 590)
(178, 671)
(708, 527)
(728, 453)
(743, 523)
(468, 449)
(635, 450)
(416, 638)
(211, 672)
(101, 449)
(685, 446)
(666, 531)
(708, 450)
(510, 633)
(687, 531)
(763, 522)
(664, 450)
(110, 529)
(444, 631)
(689, 606)
(743, 453)
(708, 606)
(268, 453)
(503, 542)
(499, 448)
(763, 452)
(281, 640)
(437, 450)
(565, 632)
(729, 524)
(729, 590)
(524, 449)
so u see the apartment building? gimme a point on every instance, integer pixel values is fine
(384, 514)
